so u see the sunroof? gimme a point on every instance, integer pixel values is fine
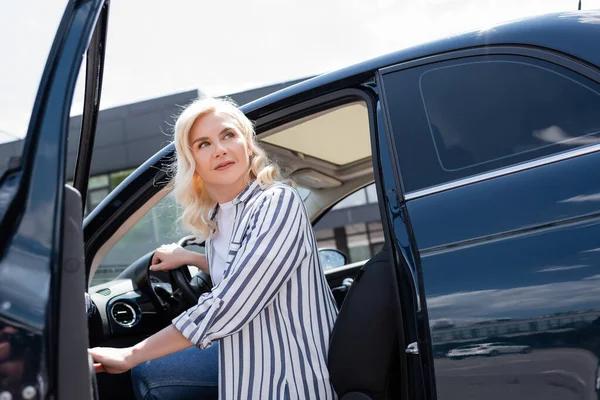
(339, 135)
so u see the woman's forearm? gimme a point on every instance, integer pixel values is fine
(165, 342)
(198, 260)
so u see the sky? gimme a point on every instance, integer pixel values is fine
(156, 47)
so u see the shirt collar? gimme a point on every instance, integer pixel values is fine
(244, 196)
(246, 193)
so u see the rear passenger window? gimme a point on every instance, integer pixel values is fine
(455, 119)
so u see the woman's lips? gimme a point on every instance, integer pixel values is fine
(222, 167)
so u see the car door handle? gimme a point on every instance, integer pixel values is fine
(412, 348)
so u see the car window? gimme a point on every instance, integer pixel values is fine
(19, 80)
(160, 225)
(459, 118)
(353, 226)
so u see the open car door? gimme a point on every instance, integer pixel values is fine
(44, 334)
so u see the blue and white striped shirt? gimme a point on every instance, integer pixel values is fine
(273, 312)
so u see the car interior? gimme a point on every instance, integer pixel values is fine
(328, 156)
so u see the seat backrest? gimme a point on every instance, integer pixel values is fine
(364, 350)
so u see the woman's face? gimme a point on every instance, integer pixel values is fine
(221, 155)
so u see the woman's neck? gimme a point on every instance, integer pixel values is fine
(226, 193)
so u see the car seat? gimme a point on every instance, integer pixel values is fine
(364, 350)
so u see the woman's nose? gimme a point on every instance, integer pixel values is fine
(219, 149)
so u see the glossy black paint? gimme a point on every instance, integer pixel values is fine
(516, 258)
(32, 228)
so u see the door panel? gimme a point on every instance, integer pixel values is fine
(528, 285)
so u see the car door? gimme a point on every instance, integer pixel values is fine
(497, 153)
(42, 273)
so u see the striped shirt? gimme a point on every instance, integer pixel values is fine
(273, 312)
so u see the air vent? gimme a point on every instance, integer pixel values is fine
(104, 292)
(124, 314)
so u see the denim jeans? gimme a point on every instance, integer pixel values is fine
(189, 374)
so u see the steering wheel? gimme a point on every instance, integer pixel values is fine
(191, 287)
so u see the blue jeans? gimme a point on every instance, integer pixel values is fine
(189, 374)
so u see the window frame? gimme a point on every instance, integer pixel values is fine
(578, 66)
(368, 232)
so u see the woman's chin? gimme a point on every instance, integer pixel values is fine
(227, 177)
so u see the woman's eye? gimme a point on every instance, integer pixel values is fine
(202, 145)
(229, 135)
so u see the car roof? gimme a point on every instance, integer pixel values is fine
(568, 32)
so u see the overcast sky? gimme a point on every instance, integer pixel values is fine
(158, 47)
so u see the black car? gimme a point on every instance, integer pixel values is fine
(484, 152)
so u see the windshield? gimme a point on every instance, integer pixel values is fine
(26, 35)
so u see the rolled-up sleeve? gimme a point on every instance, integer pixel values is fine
(273, 248)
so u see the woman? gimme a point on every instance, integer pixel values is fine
(270, 310)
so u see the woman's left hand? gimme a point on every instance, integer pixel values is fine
(172, 256)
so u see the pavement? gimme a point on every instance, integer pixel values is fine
(543, 374)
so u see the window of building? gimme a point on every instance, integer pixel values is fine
(100, 186)
(467, 116)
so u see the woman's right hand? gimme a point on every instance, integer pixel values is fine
(112, 360)
(172, 256)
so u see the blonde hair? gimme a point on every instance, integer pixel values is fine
(189, 190)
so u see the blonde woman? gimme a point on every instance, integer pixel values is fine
(270, 312)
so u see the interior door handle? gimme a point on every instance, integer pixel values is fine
(345, 286)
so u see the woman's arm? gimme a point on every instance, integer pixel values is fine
(274, 247)
(162, 343)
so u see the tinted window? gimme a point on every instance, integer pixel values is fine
(456, 119)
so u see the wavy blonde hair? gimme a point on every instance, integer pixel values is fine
(190, 192)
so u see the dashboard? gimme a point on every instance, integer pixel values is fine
(136, 303)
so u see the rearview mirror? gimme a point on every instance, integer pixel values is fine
(332, 258)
